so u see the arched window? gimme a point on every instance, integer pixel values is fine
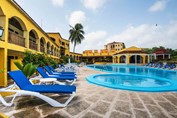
(42, 44)
(122, 59)
(48, 47)
(33, 39)
(16, 31)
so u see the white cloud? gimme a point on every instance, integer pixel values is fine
(20, 2)
(93, 4)
(93, 40)
(143, 36)
(58, 2)
(147, 35)
(158, 6)
(77, 17)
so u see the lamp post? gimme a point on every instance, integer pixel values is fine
(1, 31)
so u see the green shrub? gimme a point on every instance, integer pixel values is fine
(28, 69)
(39, 59)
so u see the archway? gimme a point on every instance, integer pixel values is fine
(122, 59)
(48, 47)
(16, 31)
(136, 59)
(42, 44)
(33, 37)
(146, 59)
(52, 49)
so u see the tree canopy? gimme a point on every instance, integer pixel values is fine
(76, 34)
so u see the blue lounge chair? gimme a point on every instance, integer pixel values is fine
(172, 66)
(148, 64)
(166, 66)
(24, 87)
(53, 70)
(61, 74)
(45, 75)
(156, 65)
(151, 65)
(161, 65)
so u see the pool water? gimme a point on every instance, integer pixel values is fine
(138, 70)
(135, 78)
(136, 81)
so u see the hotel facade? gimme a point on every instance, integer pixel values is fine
(21, 33)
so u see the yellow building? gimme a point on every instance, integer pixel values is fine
(63, 43)
(76, 56)
(95, 56)
(64, 46)
(105, 55)
(117, 46)
(132, 55)
(22, 33)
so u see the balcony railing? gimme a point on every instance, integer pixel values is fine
(33, 45)
(16, 39)
(42, 49)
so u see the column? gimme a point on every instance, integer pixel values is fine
(144, 59)
(26, 36)
(3, 66)
(163, 56)
(118, 59)
(114, 59)
(135, 59)
(38, 44)
(155, 56)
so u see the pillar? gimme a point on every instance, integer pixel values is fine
(113, 59)
(144, 59)
(148, 58)
(155, 56)
(135, 59)
(163, 56)
(26, 36)
(38, 44)
(3, 66)
(118, 59)
(127, 59)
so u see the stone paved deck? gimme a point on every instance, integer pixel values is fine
(92, 101)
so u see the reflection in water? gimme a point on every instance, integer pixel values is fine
(138, 70)
(127, 80)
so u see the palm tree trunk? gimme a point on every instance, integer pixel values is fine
(74, 49)
(74, 46)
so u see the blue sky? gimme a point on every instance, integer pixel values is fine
(130, 21)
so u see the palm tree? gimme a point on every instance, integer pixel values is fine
(76, 34)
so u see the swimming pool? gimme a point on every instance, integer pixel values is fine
(136, 78)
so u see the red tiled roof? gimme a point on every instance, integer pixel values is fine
(161, 51)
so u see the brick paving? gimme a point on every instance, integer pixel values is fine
(92, 101)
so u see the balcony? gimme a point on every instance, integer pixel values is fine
(33, 45)
(42, 49)
(16, 39)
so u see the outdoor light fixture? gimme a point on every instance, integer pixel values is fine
(1, 31)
